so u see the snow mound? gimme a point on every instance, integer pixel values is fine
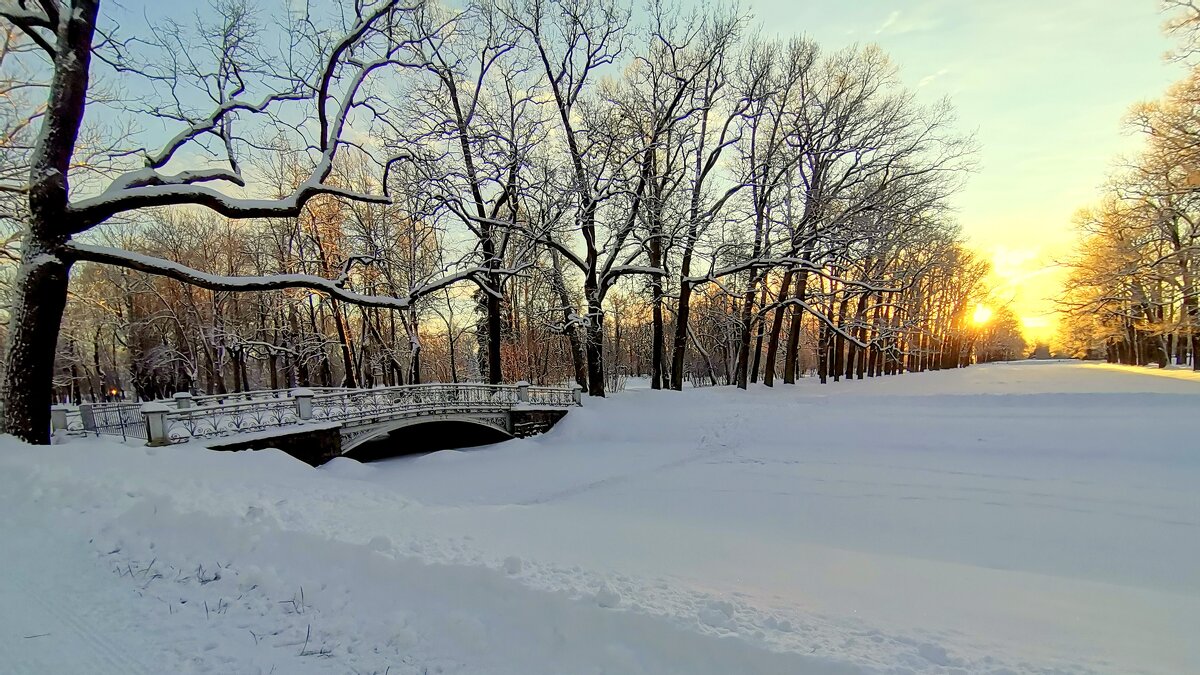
(345, 467)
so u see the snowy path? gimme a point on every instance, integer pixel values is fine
(1003, 519)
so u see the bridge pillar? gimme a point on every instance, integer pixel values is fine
(155, 415)
(304, 403)
(183, 400)
(87, 415)
(523, 422)
(523, 391)
(58, 417)
(313, 445)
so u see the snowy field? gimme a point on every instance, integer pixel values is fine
(1026, 518)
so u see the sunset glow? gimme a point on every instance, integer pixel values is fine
(1027, 280)
(982, 315)
(1084, 63)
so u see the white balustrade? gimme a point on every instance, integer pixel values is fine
(186, 417)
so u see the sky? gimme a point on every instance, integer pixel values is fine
(1044, 84)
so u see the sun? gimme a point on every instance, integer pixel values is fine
(982, 315)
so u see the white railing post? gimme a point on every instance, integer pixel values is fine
(304, 403)
(183, 400)
(58, 418)
(155, 415)
(577, 393)
(523, 391)
(87, 415)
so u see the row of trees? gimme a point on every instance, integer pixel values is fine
(1132, 294)
(529, 189)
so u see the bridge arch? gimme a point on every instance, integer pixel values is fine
(423, 431)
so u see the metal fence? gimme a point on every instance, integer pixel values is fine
(552, 396)
(235, 418)
(114, 419)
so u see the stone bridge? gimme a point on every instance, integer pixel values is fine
(316, 425)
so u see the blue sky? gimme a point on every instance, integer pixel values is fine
(1044, 83)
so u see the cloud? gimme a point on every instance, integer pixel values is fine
(924, 18)
(892, 19)
(929, 79)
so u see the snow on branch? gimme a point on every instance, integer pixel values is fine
(32, 21)
(214, 119)
(822, 318)
(334, 92)
(213, 282)
(799, 264)
(92, 211)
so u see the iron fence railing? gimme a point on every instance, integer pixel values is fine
(235, 418)
(113, 419)
(551, 396)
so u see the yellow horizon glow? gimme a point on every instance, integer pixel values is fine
(1026, 279)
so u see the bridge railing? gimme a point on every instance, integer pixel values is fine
(553, 396)
(207, 422)
(255, 395)
(353, 404)
(239, 397)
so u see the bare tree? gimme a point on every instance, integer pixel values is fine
(320, 72)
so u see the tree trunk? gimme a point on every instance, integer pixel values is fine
(344, 343)
(40, 296)
(657, 338)
(793, 343)
(743, 358)
(571, 327)
(759, 333)
(785, 286)
(823, 353)
(839, 341)
(679, 344)
(494, 329)
(595, 348)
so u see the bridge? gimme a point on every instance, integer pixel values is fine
(316, 425)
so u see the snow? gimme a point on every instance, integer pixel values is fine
(1024, 518)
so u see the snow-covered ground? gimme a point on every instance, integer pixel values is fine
(1034, 517)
